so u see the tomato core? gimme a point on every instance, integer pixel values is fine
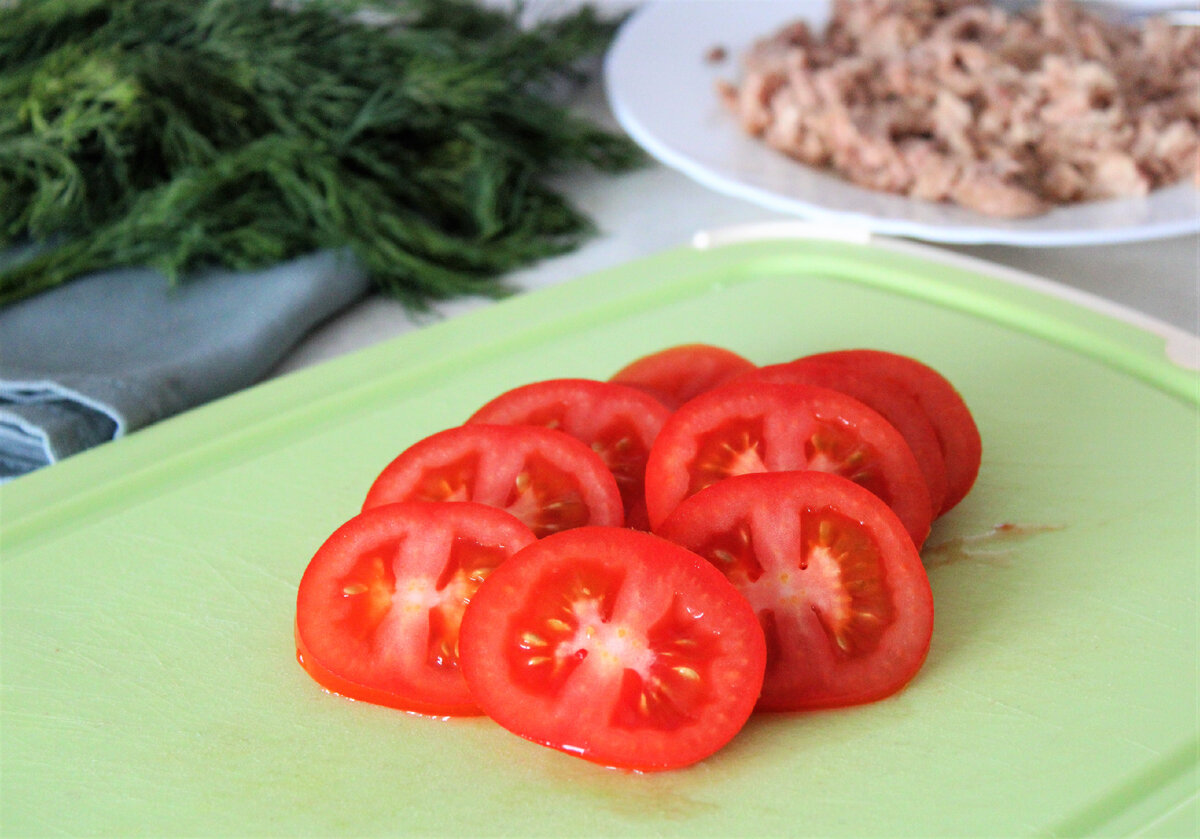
(619, 446)
(545, 498)
(553, 634)
(835, 448)
(454, 481)
(734, 447)
(367, 591)
(666, 694)
(468, 565)
(853, 601)
(571, 625)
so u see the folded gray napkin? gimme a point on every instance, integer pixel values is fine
(115, 351)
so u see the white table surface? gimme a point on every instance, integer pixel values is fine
(656, 208)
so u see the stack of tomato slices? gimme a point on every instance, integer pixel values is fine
(626, 570)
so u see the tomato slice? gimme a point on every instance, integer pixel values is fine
(952, 420)
(756, 426)
(379, 606)
(615, 646)
(676, 374)
(893, 402)
(838, 586)
(618, 422)
(546, 478)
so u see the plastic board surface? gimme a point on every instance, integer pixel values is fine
(148, 671)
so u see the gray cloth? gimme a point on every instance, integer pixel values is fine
(113, 352)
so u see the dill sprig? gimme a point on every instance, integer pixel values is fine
(180, 134)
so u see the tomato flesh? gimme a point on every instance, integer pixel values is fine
(749, 427)
(616, 646)
(380, 604)
(505, 567)
(952, 421)
(546, 478)
(619, 423)
(838, 586)
(676, 374)
(880, 393)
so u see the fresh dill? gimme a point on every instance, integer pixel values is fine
(180, 134)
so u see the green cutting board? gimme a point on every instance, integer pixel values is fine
(148, 673)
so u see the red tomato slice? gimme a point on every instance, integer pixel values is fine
(951, 418)
(893, 402)
(616, 646)
(837, 584)
(618, 422)
(676, 374)
(546, 478)
(380, 604)
(775, 427)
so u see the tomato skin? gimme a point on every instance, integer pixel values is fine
(379, 605)
(893, 402)
(676, 374)
(546, 478)
(771, 427)
(619, 423)
(838, 586)
(957, 433)
(615, 646)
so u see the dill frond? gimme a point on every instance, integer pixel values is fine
(181, 134)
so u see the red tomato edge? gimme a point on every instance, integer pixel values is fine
(357, 692)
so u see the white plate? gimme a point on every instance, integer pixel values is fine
(662, 91)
